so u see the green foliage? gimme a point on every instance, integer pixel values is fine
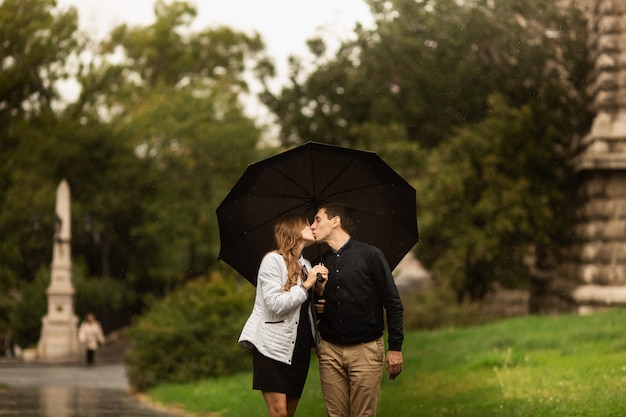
(166, 54)
(110, 300)
(30, 305)
(430, 67)
(490, 194)
(34, 44)
(186, 141)
(191, 334)
(187, 126)
(532, 366)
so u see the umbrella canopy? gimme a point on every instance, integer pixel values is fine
(382, 203)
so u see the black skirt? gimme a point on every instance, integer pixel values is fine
(274, 376)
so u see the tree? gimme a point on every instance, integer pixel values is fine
(430, 67)
(195, 153)
(34, 44)
(182, 113)
(166, 55)
(493, 191)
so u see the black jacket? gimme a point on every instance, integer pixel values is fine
(360, 286)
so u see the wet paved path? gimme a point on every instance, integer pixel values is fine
(69, 390)
(71, 402)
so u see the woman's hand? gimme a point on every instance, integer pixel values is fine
(311, 278)
(320, 284)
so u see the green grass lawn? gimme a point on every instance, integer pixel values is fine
(570, 366)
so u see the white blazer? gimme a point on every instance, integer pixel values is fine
(273, 325)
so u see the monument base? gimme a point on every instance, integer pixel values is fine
(59, 340)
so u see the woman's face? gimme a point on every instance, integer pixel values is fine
(307, 235)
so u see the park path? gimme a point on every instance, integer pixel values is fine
(69, 390)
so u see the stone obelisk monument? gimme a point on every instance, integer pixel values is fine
(59, 331)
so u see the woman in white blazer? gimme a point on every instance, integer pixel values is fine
(281, 330)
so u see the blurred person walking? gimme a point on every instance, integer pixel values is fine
(90, 336)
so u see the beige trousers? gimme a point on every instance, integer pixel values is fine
(351, 377)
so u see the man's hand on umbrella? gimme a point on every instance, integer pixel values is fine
(319, 306)
(320, 284)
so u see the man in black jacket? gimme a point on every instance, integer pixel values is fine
(359, 290)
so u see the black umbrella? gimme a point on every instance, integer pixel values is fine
(382, 203)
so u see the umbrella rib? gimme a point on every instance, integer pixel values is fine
(338, 175)
(290, 179)
(357, 189)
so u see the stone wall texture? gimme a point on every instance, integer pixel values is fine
(592, 272)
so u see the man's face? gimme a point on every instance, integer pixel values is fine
(322, 226)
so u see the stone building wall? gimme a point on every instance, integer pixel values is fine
(592, 272)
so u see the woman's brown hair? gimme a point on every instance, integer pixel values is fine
(288, 236)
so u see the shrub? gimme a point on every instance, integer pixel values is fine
(438, 307)
(191, 334)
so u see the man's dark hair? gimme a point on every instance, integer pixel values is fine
(340, 210)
